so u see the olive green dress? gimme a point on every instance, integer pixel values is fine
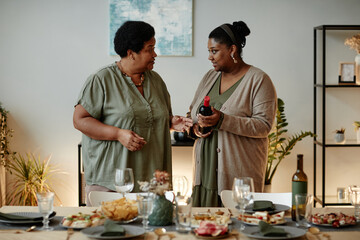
(206, 194)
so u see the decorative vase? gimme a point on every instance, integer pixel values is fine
(357, 67)
(162, 214)
(339, 138)
(358, 135)
(267, 188)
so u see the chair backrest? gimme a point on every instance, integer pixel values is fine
(96, 197)
(279, 198)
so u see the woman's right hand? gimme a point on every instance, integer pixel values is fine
(131, 140)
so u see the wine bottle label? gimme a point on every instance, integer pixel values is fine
(298, 187)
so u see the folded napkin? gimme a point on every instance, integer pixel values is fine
(263, 205)
(111, 228)
(270, 231)
(13, 217)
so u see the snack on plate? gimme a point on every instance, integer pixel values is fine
(211, 229)
(218, 217)
(120, 209)
(82, 220)
(255, 218)
(333, 219)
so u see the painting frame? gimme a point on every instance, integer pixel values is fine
(347, 72)
(172, 21)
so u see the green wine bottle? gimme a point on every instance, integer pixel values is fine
(299, 184)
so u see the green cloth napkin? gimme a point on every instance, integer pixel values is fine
(270, 231)
(9, 217)
(13, 217)
(263, 205)
(111, 228)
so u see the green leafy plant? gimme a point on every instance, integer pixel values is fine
(5, 135)
(341, 130)
(30, 175)
(279, 146)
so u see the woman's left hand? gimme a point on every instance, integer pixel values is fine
(209, 121)
(181, 124)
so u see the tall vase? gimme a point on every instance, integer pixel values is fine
(162, 214)
(267, 188)
(358, 135)
(357, 67)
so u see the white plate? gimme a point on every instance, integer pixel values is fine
(278, 208)
(293, 232)
(27, 214)
(330, 225)
(130, 232)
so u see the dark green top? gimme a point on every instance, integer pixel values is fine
(206, 194)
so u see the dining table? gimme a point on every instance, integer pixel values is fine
(14, 232)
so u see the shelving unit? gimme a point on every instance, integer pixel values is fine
(320, 32)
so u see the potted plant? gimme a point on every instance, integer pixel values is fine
(340, 136)
(30, 175)
(280, 145)
(357, 130)
(5, 152)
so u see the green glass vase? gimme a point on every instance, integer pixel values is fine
(162, 214)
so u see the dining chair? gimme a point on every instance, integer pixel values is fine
(283, 198)
(96, 197)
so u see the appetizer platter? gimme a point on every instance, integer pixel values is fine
(218, 217)
(81, 220)
(256, 217)
(333, 220)
(211, 230)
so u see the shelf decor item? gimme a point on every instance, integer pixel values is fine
(162, 213)
(354, 43)
(340, 136)
(347, 72)
(357, 130)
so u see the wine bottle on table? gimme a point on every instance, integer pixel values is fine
(205, 110)
(299, 184)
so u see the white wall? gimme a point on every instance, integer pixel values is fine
(49, 47)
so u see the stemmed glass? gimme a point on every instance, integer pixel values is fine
(180, 185)
(124, 180)
(46, 203)
(354, 191)
(145, 206)
(243, 189)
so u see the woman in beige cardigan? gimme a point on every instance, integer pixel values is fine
(243, 100)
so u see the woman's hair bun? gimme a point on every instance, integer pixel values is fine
(241, 28)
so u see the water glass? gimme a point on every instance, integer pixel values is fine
(183, 206)
(354, 192)
(45, 202)
(145, 203)
(304, 205)
(124, 180)
(243, 189)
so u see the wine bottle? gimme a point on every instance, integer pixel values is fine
(299, 184)
(205, 110)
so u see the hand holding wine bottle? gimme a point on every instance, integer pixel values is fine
(207, 118)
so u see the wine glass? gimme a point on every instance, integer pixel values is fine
(243, 189)
(124, 180)
(145, 203)
(354, 191)
(180, 185)
(46, 203)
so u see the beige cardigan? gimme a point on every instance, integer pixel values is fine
(249, 114)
